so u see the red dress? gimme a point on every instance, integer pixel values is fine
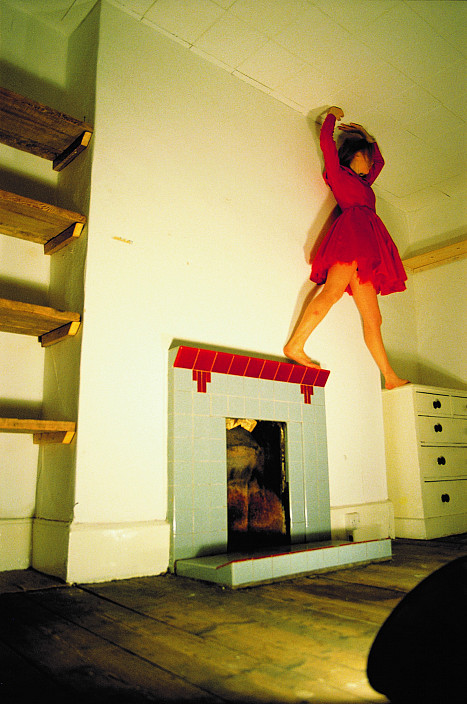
(358, 234)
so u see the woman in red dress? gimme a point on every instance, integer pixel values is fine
(357, 255)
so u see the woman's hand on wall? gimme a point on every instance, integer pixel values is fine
(356, 128)
(337, 112)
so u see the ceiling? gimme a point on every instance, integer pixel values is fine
(396, 66)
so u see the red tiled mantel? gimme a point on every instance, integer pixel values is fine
(205, 361)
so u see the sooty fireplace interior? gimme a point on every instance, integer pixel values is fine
(257, 488)
(248, 480)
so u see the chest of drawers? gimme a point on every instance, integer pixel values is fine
(426, 458)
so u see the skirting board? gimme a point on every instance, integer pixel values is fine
(429, 528)
(15, 543)
(129, 550)
(375, 521)
(79, 553)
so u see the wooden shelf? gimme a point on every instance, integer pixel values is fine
(43, 431)
(48, 324)
(40, 130)
(38, 222)
(427, 260)
(47, 133)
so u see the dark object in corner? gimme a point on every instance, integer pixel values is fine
(420, 652)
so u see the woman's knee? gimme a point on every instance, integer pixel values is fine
(373, 321)
(332, 293)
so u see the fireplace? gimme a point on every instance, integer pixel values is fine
(279, 410)
(257, 487)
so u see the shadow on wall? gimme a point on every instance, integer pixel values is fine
(27, 292)
(32, 86)
(430, 375)
(63, 99)
(427, 245)
(326, 216)
(21, 409)
(26, 84)
(425, 374)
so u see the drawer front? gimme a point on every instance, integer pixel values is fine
(440, 462)
(442, 430)
(432, 404)
(459, 405)
(445, 498)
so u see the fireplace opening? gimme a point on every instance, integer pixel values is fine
(257, 488)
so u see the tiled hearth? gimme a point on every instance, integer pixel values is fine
(207, 386)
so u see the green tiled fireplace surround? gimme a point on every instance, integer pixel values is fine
(197, 479)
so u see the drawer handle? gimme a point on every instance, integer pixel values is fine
(437, 404)
(438, 428)
(445, 498)
(441, 460)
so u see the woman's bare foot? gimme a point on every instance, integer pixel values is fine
(394, 382)
(299, 356)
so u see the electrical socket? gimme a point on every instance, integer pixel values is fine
(352, 521)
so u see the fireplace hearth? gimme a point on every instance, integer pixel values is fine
(232, 522)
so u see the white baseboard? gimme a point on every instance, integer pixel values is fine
(50, 547)
(375, 521)
(429, 528)
(83, 552)
(98, 553)
(101, 552)
(15, 543)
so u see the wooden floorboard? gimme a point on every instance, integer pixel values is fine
(20, 678)
(170, 639)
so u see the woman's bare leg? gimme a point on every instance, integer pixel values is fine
(338, 278)
(366, 300)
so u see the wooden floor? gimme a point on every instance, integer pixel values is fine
(170, 639)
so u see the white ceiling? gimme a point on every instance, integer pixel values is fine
(396, 66)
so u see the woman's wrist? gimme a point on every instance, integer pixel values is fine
(337, 112)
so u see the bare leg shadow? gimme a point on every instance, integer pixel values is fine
(316, 234)
(326, 216)
(315, 238)
(307, 292)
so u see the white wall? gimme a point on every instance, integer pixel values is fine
(441, 295)
(399, 309)
(441, 292)
(206, 196)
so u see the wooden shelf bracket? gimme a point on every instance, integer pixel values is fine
(54, 336)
